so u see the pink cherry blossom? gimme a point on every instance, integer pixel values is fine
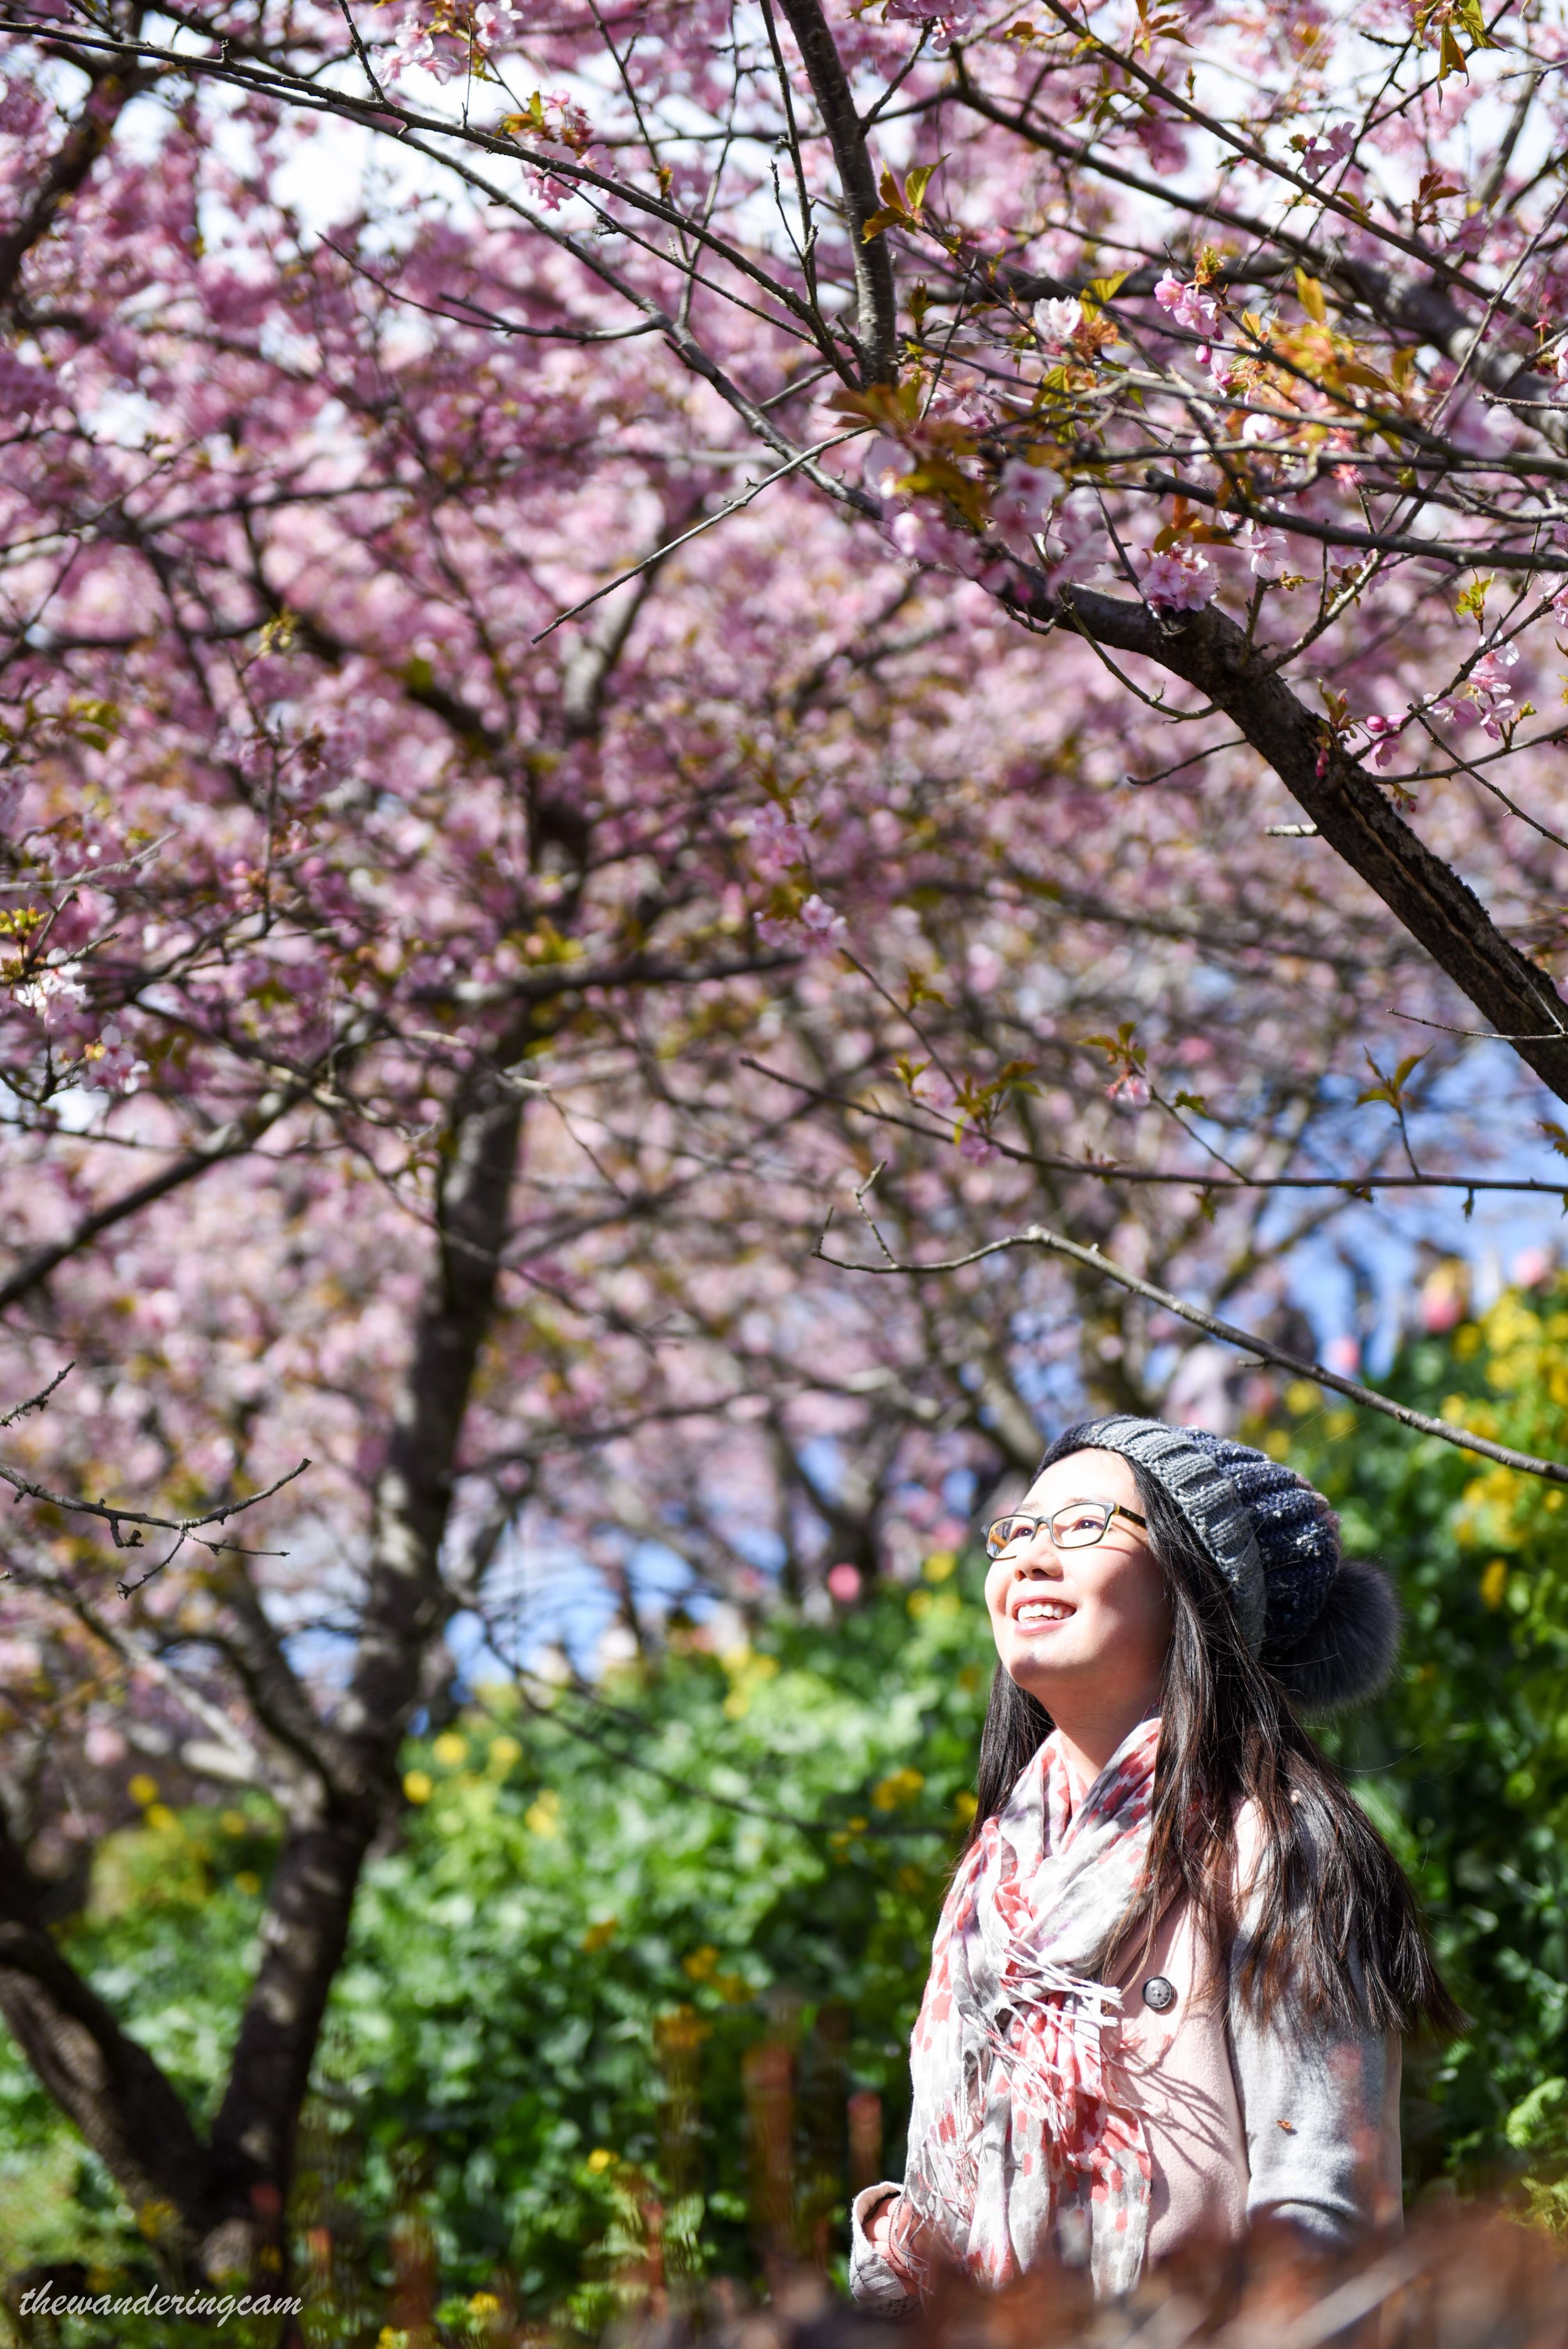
(885, 466)
(1327, 147)
(1190, 306)
(933, 1090)
(1021, 503)
(1382, 734)
(1264, 548)
(822, 925)
(1181, 580)
(951, 19)
(1491, 691)
(777, 842)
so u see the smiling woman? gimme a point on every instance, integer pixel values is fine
(1172, 1975)
(1079, 1605)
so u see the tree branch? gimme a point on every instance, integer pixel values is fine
(1210, 653)
(229, 1141)
(109, 93)
(1090, 1260)
(876, 311)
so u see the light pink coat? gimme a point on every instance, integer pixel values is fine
(1244, 2122)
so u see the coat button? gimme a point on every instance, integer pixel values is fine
(1158, 1994)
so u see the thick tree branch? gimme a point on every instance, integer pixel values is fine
(1210, 653)
(108, 2086)
(876, 311)
(109, 94)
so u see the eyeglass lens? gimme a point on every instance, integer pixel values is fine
(1077, 1525)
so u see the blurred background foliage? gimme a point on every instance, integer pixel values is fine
(628, 1997)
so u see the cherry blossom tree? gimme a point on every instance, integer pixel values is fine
(747, 598)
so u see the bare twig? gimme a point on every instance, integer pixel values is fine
(37, 1402)
(184, 1529)
(709, 521)
(1112, 1169)
(1246, 1340)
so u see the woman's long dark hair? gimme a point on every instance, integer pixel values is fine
(1335, 1927)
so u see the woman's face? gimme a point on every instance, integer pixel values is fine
(1082, 1627)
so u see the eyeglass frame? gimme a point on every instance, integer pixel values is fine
(1112, 1509)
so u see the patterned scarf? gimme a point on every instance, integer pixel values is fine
(1017, 2148)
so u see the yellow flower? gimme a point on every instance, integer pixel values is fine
(484, 2306)
(902, 1787)
(680, 2032)
(600, 2161)
(234, 1823)
(544, 1817)
(418, 1786)
(701, 1964)
(160, 1818)
(1494, 1583)
(142, 1789)
(155, 2218)
(449, 1749)
(940, 1564)
(504, 1752)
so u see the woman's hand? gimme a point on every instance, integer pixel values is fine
(879, 2234)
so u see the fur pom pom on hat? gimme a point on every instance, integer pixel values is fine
(1326, 1627)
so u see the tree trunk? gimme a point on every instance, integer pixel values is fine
(317, 1872)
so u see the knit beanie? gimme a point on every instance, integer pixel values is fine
(1325, 1626)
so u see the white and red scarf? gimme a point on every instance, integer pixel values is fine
(1017, 2148)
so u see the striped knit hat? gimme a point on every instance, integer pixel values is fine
(1325, 1626)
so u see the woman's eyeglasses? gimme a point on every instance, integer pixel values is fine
(1078, 1527)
